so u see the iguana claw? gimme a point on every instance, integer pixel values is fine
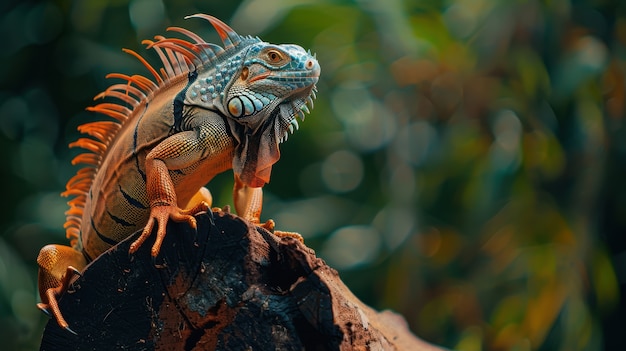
(70, 330)
(50, 305)
(45, 310)
(269, 225)
(161, 215)
(74, 271)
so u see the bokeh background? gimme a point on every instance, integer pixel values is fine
(464, 164)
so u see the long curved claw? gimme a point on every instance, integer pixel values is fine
(74, 271)
(211, 216)
(44, 308)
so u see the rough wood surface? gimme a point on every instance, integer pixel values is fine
(227, 286)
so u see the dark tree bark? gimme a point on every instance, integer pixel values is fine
(227, 286)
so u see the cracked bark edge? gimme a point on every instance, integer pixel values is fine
(227, 286)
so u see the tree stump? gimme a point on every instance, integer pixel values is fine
(227, 286)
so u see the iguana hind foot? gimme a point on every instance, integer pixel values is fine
(58, 264)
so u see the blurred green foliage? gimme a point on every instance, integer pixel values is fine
(463, 164)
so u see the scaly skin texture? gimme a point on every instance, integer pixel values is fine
(208, 110)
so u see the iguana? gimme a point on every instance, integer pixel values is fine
(207, 110)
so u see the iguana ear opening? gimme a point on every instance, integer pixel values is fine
(254, 158)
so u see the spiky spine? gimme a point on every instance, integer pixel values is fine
(178, 57)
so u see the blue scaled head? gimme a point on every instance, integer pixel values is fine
(260, 88)
(275, 82)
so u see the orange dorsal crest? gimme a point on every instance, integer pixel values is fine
(178, 57)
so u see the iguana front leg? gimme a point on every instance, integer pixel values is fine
(176, 152)
(248, 201)
(248, 204)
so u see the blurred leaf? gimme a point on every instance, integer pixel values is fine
(605, 282)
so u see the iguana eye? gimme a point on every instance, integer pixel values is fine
(274, 56)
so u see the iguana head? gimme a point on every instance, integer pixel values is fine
(261, 89)
(270, 92)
